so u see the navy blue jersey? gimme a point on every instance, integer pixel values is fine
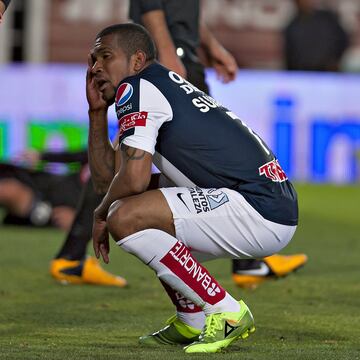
(163, 114)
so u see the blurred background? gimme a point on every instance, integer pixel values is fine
(311, 119)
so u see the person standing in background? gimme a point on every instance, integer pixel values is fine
(314, 40)
(179, 33)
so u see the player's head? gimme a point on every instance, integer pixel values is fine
(120, 51)
(304, 5)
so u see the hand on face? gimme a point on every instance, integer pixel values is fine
(93, 94)
(2, 10)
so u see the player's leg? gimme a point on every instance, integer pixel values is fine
(249, 273)
(183, 328)
(74, 246)
(71, 265)
(16, 197)
(20, 196)
(143, 225)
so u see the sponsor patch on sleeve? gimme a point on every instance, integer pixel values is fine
(123, 94)
(128, 123)
(273, 171)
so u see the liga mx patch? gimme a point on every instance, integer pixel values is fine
(123, 94)
(217, 200)
(128, 123)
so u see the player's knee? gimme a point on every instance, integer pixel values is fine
(10, 188)
(122, 220)
(114, 214)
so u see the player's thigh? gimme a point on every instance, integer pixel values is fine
(221, 223)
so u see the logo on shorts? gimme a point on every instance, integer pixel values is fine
(123, 94)
(180, 196)
(207, 199)
(217, 200)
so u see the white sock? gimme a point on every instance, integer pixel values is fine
(228, 303)
(174, 264)
(196, 320)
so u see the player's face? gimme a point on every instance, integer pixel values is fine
(109, 66)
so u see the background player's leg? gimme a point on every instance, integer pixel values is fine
(16, 197)
(22, 199)
(71, 264)
(74, 247)
(249, 273)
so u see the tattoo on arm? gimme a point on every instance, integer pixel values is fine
(102, 170)
(101, 159)
(132, 153)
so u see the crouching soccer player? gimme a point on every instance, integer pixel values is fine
(233, 199)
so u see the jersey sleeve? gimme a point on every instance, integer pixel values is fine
(150, 5)
(147, 109)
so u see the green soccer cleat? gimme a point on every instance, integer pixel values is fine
(222, 329)
(175, 332)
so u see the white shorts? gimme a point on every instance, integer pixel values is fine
(215, 223)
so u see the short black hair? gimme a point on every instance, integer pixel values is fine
(130, 38)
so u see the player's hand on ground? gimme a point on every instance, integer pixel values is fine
(93, 94)
(101, 239)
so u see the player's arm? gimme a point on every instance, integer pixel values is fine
(219, 58)
(132, 178)
(155, 23)
(101, 152)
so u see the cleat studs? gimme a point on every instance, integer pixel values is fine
(245, 335)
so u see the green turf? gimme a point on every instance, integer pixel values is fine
(314, 314)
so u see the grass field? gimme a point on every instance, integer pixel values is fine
(314, 314)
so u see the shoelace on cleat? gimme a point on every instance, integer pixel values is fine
(212, 324)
